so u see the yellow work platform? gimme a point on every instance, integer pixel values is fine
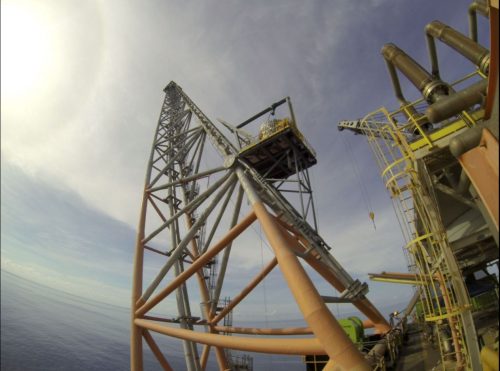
(449, 129)
(280, 151)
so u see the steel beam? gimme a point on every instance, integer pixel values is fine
(332, 337)
(273, 346)
(481, 165)
(238, 298)
(187, 238)
(227, 251)
(191, 205)
(187, 179)
(363, 304)
(181, 149)
(198, 264)
(156, 350)
(265, 331)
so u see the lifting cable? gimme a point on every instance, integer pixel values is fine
(364, 192)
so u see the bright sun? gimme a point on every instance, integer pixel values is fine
(26, 47)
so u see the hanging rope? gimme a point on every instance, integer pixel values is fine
(364, 192)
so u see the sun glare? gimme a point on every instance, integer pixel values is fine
(26, 46)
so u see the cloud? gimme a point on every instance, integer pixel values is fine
(53, 236)
(83, 135)
(72, 283)
(92, 129)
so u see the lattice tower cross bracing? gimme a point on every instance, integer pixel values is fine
(180, 186)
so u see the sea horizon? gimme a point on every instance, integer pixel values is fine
(43, 328)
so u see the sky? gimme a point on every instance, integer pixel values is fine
(81, 90)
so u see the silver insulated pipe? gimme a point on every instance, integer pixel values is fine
(471, 50)
(474, 8)
(430, 86)
(455, 103)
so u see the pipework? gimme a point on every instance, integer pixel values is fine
(467, 47)
(458, 102)
(474, 8)
(431, 87)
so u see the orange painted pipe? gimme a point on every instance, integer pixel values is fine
(156, 350)
(265, 331)
(204, 357)
(368, 323)
(481, 166)
(237, 299)
(198, 264)
(336, 343)
(135, 332)
(364, 305)
(249, 344)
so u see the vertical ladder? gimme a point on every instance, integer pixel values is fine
(444, 296)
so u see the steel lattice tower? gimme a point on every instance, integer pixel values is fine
(194, 210)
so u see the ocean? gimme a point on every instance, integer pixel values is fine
(45, 329)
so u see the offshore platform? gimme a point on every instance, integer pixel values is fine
(203, 199)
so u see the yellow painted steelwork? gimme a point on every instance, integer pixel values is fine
(395, 280)
(276, 127)
(414, 123)
(442, 316)
(427, 248)
(401, 278)
(447, 130)
(489, 358)
(273, 128)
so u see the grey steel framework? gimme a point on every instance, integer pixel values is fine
(195, 191)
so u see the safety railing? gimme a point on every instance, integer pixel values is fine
(394, 137)
(416, 129)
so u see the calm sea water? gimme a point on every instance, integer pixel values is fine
(46, 329)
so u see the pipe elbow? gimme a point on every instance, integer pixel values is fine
(433, 115)
(453, 104)
(435, 28)
(464, 45)
(389, 51)
(465, 142)
(479, 7)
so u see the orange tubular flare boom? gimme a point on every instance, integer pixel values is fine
(337, 345)
(176, 159)
(275, 346)
(364, 305)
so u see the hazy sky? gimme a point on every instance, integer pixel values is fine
(82, 89)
